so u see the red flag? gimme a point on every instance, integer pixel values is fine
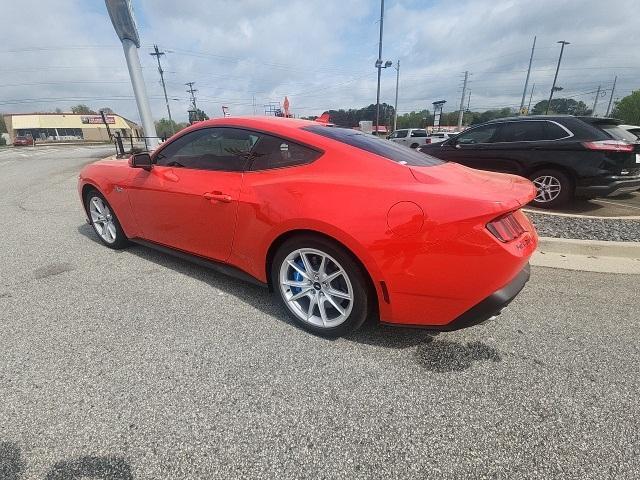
(285, 106)
(324, 118)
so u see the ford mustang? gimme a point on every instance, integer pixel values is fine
(341, 225)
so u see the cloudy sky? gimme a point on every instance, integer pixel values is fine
(320, 53)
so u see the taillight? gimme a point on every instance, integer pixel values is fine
(609, 146)
(505, 228)
(428, 140)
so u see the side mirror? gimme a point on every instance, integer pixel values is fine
(141, 160)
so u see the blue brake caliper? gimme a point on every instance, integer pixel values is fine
(297, 276)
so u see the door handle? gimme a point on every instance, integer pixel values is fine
(218, 197)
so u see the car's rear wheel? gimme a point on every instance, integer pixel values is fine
(104, 221)
(554, 188)
(414, 145)
(321, 285)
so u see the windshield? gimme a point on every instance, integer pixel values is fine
(378, 146)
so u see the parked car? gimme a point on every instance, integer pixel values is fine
(21, 141)
(438, 137)
(411, 137)
(340, 224)
(564, 156)
(635, 129)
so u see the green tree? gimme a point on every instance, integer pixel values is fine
(3, 126)
(82, 109)
(166, 128)
(628, 109)
(562, 106)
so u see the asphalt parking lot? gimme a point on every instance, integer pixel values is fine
(627, 205)
(137, 365)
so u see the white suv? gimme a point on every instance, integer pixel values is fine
(411, 137)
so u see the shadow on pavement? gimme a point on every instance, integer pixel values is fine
(103, 468)
(11, 461)
(440, 356)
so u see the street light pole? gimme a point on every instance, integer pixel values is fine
(464, 91)
(555, 78)
(379, 67)
(615, 79)
(595, 102)
(395, 109)
(125, 26)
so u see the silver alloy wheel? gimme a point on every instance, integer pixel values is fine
(316, 288)
(549, 188)
(102, 219)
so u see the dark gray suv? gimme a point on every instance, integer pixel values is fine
(564, 156)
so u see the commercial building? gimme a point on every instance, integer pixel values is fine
(60, 127)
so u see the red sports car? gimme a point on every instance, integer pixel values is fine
(341, 224)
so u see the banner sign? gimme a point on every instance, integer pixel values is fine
(93, 119)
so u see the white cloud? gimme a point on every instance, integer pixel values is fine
(319, 53)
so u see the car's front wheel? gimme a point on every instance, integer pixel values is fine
(321, 285)
(554, 188)
(104, 221)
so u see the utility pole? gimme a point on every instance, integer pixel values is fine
(464, 92)
(157, 53)
(379, 66)
(253, 102)
(533, 87)
(526, 82)
(595, 102)
(192, 92)
(555, 78)
(395, 109)
(615, 79)
(469, 101)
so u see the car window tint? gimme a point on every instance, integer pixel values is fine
(525, 131)
(401, 134)
(419, 133)
(553, 131)
(225, 149)
(478, 135)
(274, 152)
(369, 143)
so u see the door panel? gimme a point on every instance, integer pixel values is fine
(191, 210)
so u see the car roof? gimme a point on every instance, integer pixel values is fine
(529, 118)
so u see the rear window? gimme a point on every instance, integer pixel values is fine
(418, 133)
(375, 145)
(619, 133)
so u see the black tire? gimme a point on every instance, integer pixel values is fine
(565, 194)
(414, 145)
(362, 298)
(121, 241)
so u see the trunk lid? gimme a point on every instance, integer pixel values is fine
(508, 192)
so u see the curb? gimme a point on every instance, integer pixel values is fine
(576, 215)
(588, 255)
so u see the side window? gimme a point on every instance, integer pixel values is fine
(524, 131)
(401, 133)
(553, 131)
(478, 135)
(274, 152)
(418, 133)
(223, 149)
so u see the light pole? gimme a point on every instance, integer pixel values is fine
(123, 22)
(526, 82)
(553, 88)
(395, 108)
(380, 66)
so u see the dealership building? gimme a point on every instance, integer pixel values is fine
(60, 127)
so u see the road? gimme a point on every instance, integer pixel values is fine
(137, 365)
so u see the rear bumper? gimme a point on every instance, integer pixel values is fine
(615, 186)
(483, 311)
(492, 305)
